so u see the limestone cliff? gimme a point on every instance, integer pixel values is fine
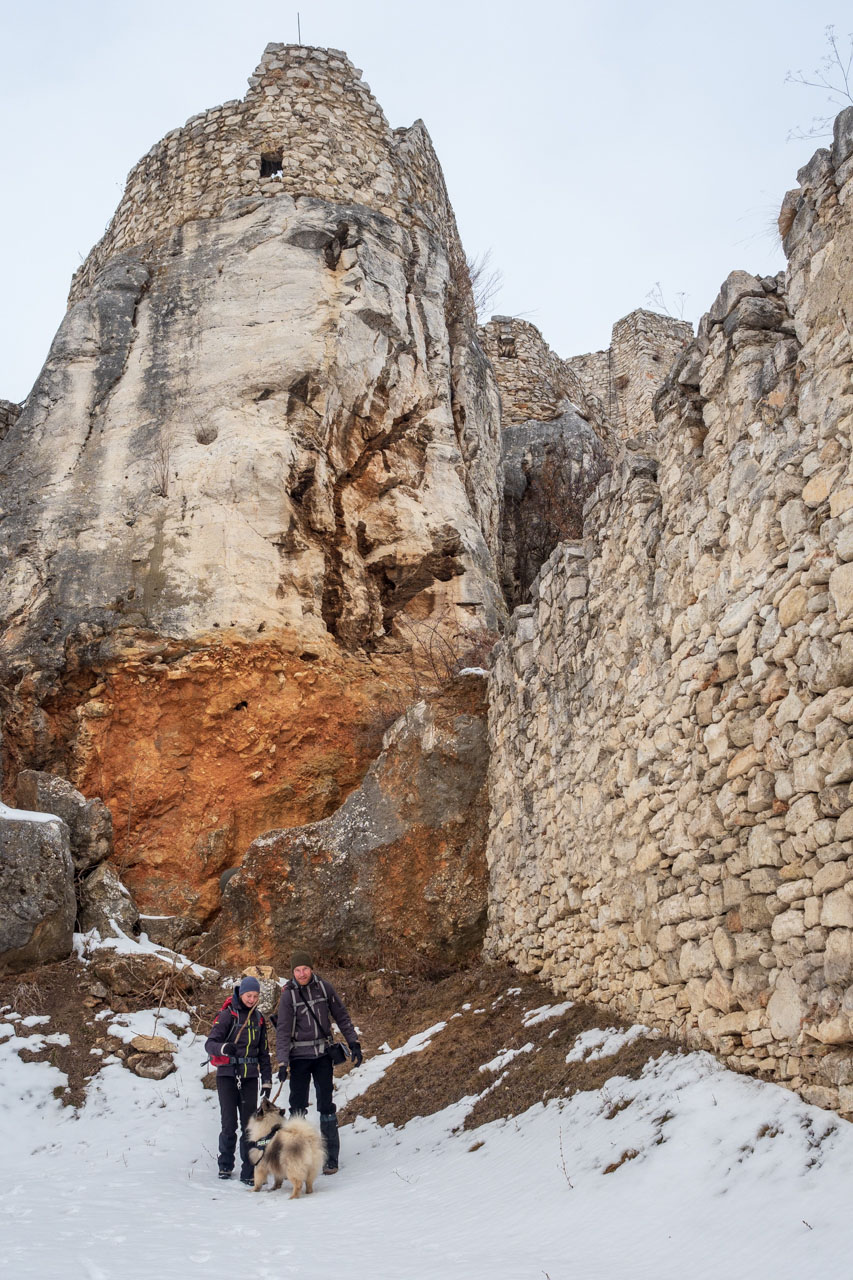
(263, 451)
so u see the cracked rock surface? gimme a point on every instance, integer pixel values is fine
(265, 424)
(398, 871)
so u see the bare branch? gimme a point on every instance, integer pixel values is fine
(486, 282)
(831, 78)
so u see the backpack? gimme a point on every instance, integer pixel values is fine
(222, 1059)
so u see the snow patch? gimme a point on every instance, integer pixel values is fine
(598, 1043)
(546, 1011)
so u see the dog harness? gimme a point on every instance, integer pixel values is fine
(261, 1143)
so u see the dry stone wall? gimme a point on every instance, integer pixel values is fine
(671, 718)
(309, 126)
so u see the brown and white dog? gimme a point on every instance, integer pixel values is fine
(279, 1148)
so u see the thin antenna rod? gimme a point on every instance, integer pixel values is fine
(298, 28)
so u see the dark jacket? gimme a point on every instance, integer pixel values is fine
(248, 1032)
(297, 1034)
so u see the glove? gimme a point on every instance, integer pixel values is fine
(266, 1088)
(230, 1049)
(282, 1074)
(357, 1055)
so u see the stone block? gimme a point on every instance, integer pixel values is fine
(841, 590)
(837, 910)
(785, 1009)
(838, 957)
(788, 924)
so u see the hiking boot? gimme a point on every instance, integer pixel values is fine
(332, 1140)
(225, 1174)
(249, 1181)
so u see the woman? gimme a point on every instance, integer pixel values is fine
(237, 1046)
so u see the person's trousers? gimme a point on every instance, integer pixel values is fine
(322, 1071)
(238, 1098)
(302, 1071)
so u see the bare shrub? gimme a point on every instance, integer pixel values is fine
(658, 302)
(486, 282)
(832, 78)
(440, 650)
(161, 464)
(474, 284)
(27, 998)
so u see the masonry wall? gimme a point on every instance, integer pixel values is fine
(626, 377)
(535, 384)
(672, 717)
(308, 116)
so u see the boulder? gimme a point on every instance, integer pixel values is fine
(398, 871)
(89, 822)
(270, 987)
(152, 1044)
(37, 906)
(150, 1066)
(169, 931)
(103, 901)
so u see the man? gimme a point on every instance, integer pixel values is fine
(303, 1042)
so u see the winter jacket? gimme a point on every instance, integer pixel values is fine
(248, 1032)
(297, 1034)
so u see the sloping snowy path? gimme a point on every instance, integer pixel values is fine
(729, 1177)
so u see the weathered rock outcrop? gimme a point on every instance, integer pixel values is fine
(263, 447)
(670, 718)
(9, 414)
(550, 469)
(89, 822)
(103, 901)
(398, 873)
(37, 905)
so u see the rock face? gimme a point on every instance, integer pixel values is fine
(550, 468)
(103, 900)
(263, 451)
(37, 905)
(671, 716)
(9, 414)
(89, 822)
(397, 873)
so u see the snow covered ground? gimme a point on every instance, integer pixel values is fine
(715, 1175)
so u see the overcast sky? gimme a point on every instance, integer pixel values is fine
(596, 147)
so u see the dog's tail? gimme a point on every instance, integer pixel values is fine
(300, 1139)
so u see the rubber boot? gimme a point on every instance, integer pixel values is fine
(332, 1139)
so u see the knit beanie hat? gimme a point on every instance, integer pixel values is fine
(249, 984)
(300, 958)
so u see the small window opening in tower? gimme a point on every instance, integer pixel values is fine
(270, 164)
